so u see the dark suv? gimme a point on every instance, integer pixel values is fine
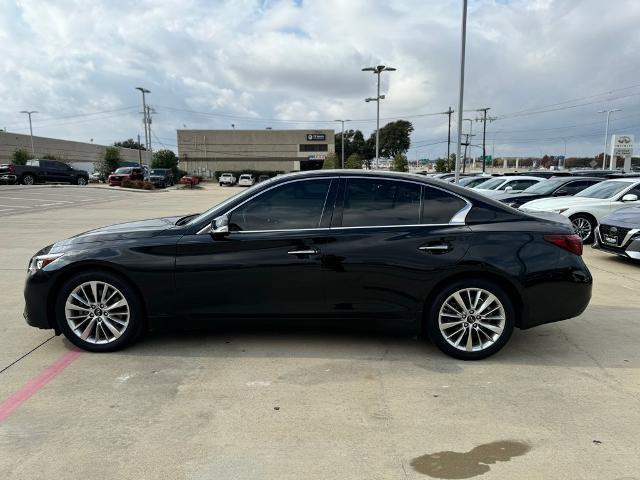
(43, 171)
(161, 177)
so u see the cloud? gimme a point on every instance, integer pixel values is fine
(281, 63)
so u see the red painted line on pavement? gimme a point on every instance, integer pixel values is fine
(36, 383)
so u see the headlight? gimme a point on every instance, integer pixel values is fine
(40, 261)
(559, 210)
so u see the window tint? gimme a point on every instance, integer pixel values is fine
(439, 206)
(291, 206)
(634, 191)
(373, 202)
(575, 187)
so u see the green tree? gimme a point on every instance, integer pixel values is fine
(400, 163)
(165, 159)
(441, 165)
(354, 161)
(130, 143)
(20, 156)
(330, 161)
(109, 162)
(395, 138)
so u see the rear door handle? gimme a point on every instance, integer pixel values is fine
(438, 248)
(307, 251)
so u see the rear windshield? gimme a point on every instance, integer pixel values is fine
(603, 190)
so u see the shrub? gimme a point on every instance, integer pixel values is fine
(354, 161)
(20, 157)
(137, 184)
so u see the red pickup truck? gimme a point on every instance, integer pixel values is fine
(126, 173)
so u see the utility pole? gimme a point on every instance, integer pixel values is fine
(463, 41)
(377, 70)
(30, 112)
(449, 112)
(342, 142)
(150, 110)
(144, 113)
(139, 152)
(484, 133)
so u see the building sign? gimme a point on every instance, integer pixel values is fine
(622, 145)
(316, 157)
(315, 137)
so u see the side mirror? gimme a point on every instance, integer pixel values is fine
(220, 226)
(561, 193)
(508, 189)
(630, 197)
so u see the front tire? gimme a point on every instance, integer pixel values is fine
(584, 226)
(28, 179)
(99, 312)
(471, 319)
(81, 181)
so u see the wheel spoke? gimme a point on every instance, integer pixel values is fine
(112, 329)
(87, 330)
(488, 326)
(446, 325)
(120, 303)
(458, 298)
(79, 299)
(94, 291)
(489, 300)
(469, 345)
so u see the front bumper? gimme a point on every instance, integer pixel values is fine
(628, 246)
(36, 296)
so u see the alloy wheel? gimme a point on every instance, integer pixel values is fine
(582, 227)
(82, 181)
(471, 319)
(97, 312)
(28, 180)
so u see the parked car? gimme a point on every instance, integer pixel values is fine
(227, 179)
(421, 254)
(126, 173)
(190, 180)
(95, 177)
(555, 187)
(619, 233)
(161, 177)
(263, 178)
(246, 180)
(471, 182)
(544, 173)
(588, 172)
(586, 208)
(43, 171)
(507, 183)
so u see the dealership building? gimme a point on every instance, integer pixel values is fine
(205, 152)
(80, 155)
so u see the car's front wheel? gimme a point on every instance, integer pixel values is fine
(81, 181)
(28, 179)
(584, 226)
(99, 312)
(471, 319)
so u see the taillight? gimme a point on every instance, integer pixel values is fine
(12, 169)
(571, 243)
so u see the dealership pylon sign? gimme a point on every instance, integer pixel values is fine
(621, 146)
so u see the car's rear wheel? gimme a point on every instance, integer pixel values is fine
(99, 312)
(81, 181)
(471, 319)
(28, 179)
(584, 226)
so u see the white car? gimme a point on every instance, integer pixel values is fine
(227, 179)
(507, 183)
(586, 208)
(246, 180)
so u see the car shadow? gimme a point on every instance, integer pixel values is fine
(601, 337)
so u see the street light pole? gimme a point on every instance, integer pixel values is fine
(377, 70)
(461, 92)
(449, 112)
(606, 135)
(342, 142)
(144, 113)
(484, 136)
(30, 112)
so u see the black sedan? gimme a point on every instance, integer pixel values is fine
(353, 245)
(554, 187)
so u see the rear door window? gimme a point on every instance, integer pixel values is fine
(439, 207)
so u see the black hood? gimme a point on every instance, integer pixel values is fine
(625, 217)
(120, 231)
(518, 197)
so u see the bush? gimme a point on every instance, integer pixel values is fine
(109, 163)
(331, 161)
(354, 161)
(400, 163)
(137, 184)
(20, 157)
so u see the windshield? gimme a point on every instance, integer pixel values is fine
(603, 190)
(491, 184)
(123, 170)
(473, 181)
(544, 187)
(245, 176)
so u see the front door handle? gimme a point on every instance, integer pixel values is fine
(438, 248)
(306, 251)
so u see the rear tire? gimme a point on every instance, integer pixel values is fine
(28, 179)
(475, 329)
(99, 312)
(584, 226)
(81, 181)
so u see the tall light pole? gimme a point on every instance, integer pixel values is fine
(463, 41)
(606, 135)
(377, 70)
(342, 142)
(144, 113)
(30, 112)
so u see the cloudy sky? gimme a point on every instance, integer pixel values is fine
(545, 67)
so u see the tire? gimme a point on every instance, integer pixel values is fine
(100, 322)
(28, 179)
(81, 181)
(220, 184)
(584, 226)
(491, 334)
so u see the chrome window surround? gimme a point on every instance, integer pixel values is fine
(458, 219)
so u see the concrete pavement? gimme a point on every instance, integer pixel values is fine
(560, 401)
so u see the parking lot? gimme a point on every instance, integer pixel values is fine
(559, 401)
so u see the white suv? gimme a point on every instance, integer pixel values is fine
(227, 179)
(246, 180)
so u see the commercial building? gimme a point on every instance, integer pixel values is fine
(77, 154)
(205, 152)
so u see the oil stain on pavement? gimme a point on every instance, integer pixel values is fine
(452, 465)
